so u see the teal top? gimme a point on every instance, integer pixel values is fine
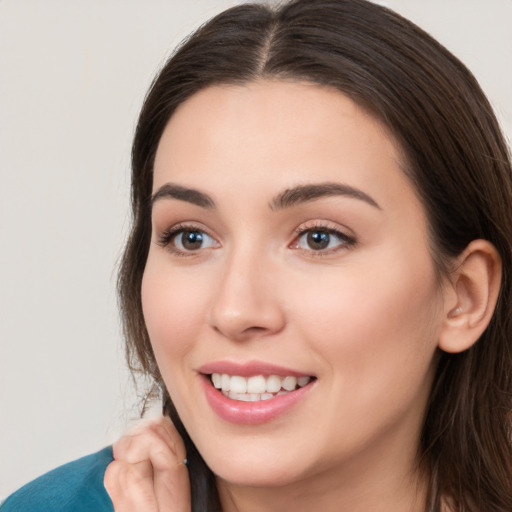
(74, 487)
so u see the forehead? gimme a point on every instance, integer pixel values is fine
(267, 135)
(268, 108)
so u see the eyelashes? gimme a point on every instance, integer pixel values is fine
(312, 239)
(184, 240)
(321, 239)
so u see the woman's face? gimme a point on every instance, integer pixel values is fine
(289, 252)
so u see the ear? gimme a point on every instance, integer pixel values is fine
(470, 294)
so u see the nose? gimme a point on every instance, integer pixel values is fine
(246, 304)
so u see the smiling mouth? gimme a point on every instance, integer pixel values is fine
(257, 387)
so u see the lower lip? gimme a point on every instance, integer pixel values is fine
(251, 413)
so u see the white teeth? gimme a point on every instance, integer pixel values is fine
(256, 387)
(250, 397)
(225, 380)
(273, 384)
(217, 380)
(243, 397)
(256, 384)
(238, 384)
(289, 383)
(302, 381)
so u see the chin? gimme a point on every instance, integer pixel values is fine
(262, 477)
(255, 471)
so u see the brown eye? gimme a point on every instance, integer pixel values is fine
(322, 240)
(318, 240)
(186, 240)
(189, 240)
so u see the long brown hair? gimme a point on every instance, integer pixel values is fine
(456, 158)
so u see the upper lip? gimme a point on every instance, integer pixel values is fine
(249, 369)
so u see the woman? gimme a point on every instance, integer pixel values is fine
(318, 275)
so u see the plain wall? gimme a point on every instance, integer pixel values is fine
(73, 75)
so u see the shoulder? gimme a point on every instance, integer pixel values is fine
(74, 487)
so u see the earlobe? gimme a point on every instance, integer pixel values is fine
(471, 296)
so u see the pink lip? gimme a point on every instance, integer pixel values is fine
(250, 413)
(249, 369)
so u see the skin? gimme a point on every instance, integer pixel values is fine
(363, 317)
(148, 473)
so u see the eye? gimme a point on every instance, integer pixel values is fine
(182, 240)
(192, 240)
(322, 240)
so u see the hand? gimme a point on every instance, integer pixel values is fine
(148, 473)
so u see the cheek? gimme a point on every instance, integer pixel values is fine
(377, 326)
(376, 332)
(174, 310)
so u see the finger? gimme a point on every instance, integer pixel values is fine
(166, 451)
(130, 487)
(136, 444)
(170, 480)
(159, 443)
(175, 437)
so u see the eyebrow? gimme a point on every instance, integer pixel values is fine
(190, 195)
(286, 199)
(305, 193)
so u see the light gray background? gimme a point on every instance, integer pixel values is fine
(72, 77)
